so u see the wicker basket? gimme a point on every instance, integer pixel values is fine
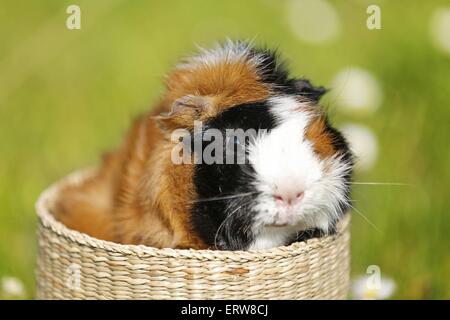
(72, 265)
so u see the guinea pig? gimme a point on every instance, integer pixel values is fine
(292, 183)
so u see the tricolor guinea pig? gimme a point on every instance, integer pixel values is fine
(288, 176)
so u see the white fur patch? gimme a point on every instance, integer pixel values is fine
(285, 163)
(230, 51)
(272, 237)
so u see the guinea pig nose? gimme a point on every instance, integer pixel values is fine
(289, 199)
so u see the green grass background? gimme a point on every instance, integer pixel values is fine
(66, 96)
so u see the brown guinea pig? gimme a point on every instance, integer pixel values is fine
(293, 177)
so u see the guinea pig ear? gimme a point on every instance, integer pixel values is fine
(190, 104)
(305, 88)
(184, 111)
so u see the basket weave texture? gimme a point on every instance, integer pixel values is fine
(72, 265)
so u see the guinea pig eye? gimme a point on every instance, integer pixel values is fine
(236, 140)
(234, 143)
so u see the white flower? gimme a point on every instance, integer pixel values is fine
(12, 287)
(356, 89)
(440, 29)
(363, 288)
(313, 21)
(363, 144)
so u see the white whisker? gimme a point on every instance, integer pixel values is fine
(240, 195)
(225, 220)
(365, 218)
(382, 183)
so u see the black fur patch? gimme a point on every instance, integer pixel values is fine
(274, 72)
(233, 215)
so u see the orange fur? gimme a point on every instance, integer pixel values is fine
(227, 84)
(87, 207)
(321, 140)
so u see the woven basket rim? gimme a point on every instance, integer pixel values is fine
(46, 218)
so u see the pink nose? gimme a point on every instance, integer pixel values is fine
(289, 200)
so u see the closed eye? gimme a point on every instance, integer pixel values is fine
(233, 142)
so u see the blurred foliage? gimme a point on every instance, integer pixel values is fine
(66, 96)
